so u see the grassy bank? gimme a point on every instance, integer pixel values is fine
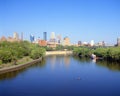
(20, 61)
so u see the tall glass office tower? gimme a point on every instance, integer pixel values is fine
(45, 36)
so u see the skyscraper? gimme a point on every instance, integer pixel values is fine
(92, 43)
(45, 36)
(22, 36)
(118, 41)
(59, 38)
(52, 35)
(52, 43)
(15, 36)
(79, 43)
(66, 41)
(32, 38)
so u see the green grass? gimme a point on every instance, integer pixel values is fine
(20, 61)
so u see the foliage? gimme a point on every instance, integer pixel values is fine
(0, 62)
(12, 51)
(37, 52)
(110, 53)
(83, 51)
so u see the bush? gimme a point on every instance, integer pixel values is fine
(82, 51)
(10, 52)
(111, 53)
(37, 53)
(0, 62)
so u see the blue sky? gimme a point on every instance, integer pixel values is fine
(83, 20)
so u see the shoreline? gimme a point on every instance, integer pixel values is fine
(21, 66)
(58, 53)
(18, 67)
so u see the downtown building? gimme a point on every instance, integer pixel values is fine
(118, 41)
(45, 36)
(66, 41)
(52, 42)
(15, 38)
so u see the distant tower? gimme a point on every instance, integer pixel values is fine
(103, 43)
(22, 36)
(118, 41)
(92, 43)
(16, 36)
(79, 43)
(66, 41)
(45, 36)
(52, 35)
(59, 38)
(32, 38)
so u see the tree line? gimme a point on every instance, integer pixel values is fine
(108, 53)
(12, 51)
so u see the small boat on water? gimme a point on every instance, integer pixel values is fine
(93, 56)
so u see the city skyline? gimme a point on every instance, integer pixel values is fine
(80, 20)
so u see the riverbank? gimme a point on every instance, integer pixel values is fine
(58, 53)
(106, 53)
(18, 67)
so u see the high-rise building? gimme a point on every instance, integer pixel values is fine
(32, 38)
(92, 43)
(66, 41)
(52, 43)
(45, 36)
(22, 36)
(59, 39)
(79, 43)
(52, 35)
(118, 41)
(15, 36)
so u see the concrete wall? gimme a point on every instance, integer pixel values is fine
(58, 52)
(18, 67)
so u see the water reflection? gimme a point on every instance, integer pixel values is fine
(60, 59)
(52, 61)
(83, 60)
(10, 75)
(94, 60)
(111, 65)
(67, 61)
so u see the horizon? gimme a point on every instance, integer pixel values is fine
(80, 20)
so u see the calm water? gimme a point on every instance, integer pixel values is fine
(63, 76)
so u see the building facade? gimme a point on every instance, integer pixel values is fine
(15, 36)
(42, 42)
(118, 41)
(45, 36)
(66, 41)
(32, 38)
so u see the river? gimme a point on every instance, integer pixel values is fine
(63, 75)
